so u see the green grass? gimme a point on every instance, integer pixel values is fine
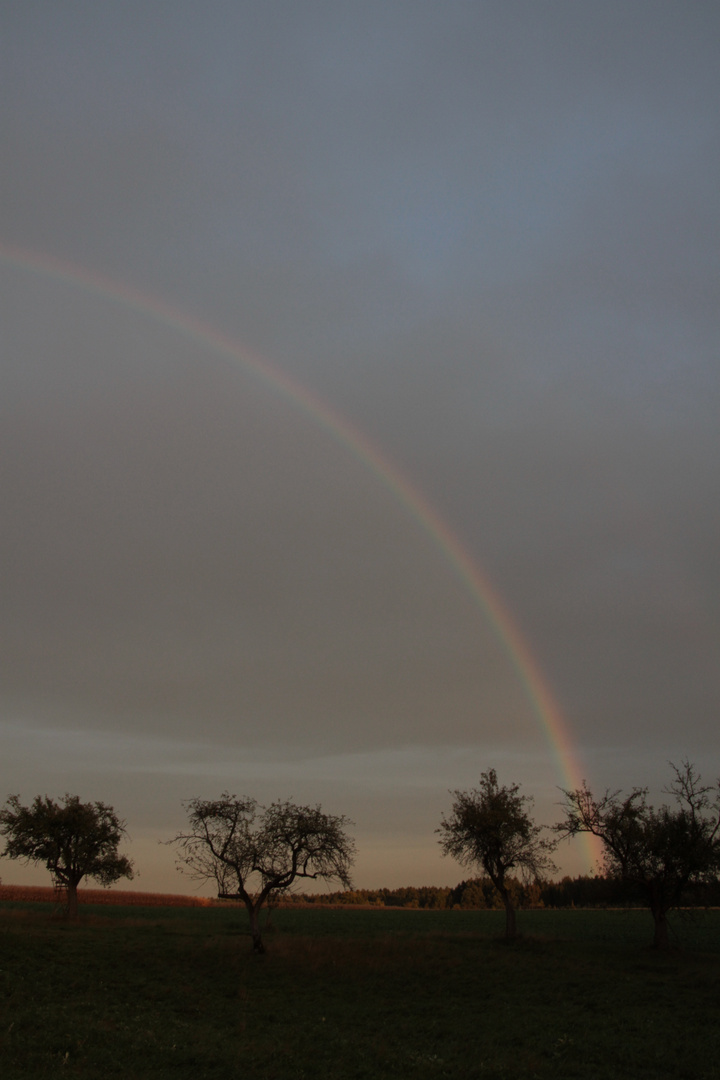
(148, 992)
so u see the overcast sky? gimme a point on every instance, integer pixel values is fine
(485, 233)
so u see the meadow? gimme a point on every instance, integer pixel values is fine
(139, 992)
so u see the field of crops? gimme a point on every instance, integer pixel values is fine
(45, 894)
(155, 992)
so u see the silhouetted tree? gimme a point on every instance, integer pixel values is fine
(659, 852)
(251, 851)
(74, 839)
(491, 827)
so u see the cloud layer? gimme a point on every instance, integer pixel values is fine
(486, 234)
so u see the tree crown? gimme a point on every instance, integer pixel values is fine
(491, 827)
(231, 840)
(73, 839)
(662, 850)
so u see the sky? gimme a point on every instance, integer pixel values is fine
(422, 475)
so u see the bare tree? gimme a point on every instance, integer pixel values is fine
(660, 852)
(491, 827)
(252, 852)
(73, 839)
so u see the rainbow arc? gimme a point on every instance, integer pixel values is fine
(495, 611)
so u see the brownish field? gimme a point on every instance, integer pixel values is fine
(46, 894)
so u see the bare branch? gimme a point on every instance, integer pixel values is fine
(251, 851)
(659, 851)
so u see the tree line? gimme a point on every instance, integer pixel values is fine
(479, 894)
(657, 857)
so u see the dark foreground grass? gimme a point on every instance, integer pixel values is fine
(354, 994)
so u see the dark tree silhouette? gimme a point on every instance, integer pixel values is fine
(491, 828)
(74, 839)
(253, 852)
(659, 852)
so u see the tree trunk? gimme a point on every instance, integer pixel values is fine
(661, 939)
(72, 900)
(510, 923)
(257, 942)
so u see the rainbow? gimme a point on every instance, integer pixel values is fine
(342, 431)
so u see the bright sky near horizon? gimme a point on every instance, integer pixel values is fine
(486, 235)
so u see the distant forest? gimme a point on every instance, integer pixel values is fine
(480, 893)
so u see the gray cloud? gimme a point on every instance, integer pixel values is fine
(485, 234)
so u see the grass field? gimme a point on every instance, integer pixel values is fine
(176, 992)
